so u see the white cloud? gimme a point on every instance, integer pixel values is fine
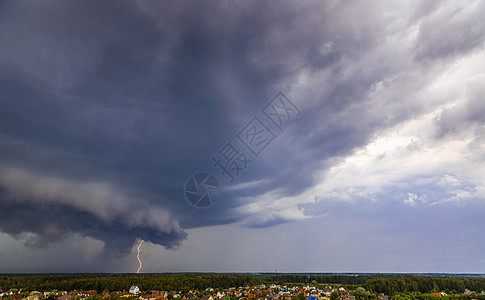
(409, 150)
(413, 199)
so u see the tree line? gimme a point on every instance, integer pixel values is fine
(424, 284)
(383, 283)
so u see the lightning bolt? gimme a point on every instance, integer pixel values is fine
(138, 256)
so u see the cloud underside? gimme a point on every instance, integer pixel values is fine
(52, 208)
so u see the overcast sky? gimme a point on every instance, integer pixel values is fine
(371, 160)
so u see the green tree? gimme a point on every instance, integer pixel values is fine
(360, 293)
(334, 295)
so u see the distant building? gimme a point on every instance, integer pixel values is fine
(135, 290)
(206, 297)
(64, 297)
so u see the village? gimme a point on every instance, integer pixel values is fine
(258, 292)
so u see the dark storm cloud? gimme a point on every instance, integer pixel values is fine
(52, 207)
(147, 109)
(108, 107)
(97, 93)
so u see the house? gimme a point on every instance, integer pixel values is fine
(49, 293)
(13, 291)
(135, 290)
(190, 297)
(206, 297)
(64, 297)
(382, 297)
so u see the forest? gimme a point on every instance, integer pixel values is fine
(381, 283)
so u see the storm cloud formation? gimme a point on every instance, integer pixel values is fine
(106, 108)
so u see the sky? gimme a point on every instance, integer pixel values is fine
(242, 136)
